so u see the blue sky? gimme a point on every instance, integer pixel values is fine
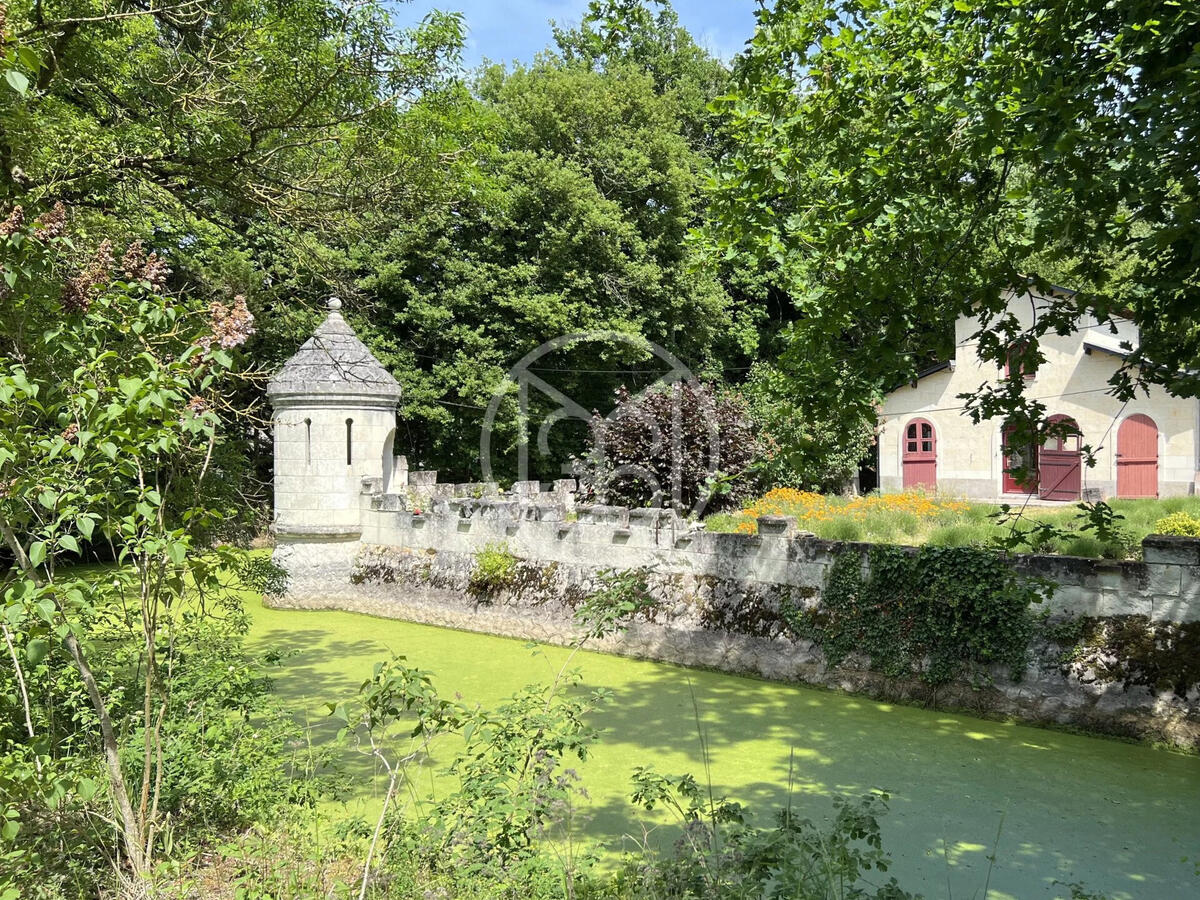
(504, 30)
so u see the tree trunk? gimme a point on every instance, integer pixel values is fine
(131, 830)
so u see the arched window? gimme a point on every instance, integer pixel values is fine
(308, 442)
(919, 455)
(349, 442)
(1060, 463)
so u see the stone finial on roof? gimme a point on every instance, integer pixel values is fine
(333, 362)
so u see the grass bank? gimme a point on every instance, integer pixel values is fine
(915, 518)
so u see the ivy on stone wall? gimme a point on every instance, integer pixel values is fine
(938, 612)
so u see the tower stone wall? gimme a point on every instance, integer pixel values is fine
(334, 421)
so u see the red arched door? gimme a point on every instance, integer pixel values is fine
(1018, 458)
(919, 458)
(1137, 457)
(1060, 464)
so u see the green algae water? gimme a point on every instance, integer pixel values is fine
(1123, 819)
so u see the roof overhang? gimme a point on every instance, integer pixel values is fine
(1090, 347)
(948, 365)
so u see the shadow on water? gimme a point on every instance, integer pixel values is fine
(1121, 818)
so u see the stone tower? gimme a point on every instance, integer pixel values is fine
(335, 419)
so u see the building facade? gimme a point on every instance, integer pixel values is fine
(1147, 447)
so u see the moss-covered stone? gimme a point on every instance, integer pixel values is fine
(1131, 650)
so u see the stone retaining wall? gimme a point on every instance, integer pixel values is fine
(718, 597)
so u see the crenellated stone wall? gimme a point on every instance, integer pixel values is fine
(720, 598)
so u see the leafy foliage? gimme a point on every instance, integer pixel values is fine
(513, 789)
(249, 142)
(804, 448)
(682, 445)
(108, 438)
(721, 855)
(933, 612)
(231, 756)
(214, 109)
(901, 163)
(571, 217)
(623, 595)
(1095, 522)
(494, 568)
(1180, 523)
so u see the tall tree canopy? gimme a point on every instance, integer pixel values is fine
(244, 141)
(588, 173)
(900, 163)
(223, 110)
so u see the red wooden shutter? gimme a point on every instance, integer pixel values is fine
(1060, 464)
(1137, 457)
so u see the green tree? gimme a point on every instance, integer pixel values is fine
(575, 217)
(249, 142)
(803, 448)
(109, 436)
(226, 111)
(901, 163)
(646, 35)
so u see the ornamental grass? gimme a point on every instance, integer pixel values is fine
(916, 517)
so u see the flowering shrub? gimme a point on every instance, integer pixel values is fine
(683, 444)
(1180, 524)
(110, 440)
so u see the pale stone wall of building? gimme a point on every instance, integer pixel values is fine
(1073, 381)
(316, 480)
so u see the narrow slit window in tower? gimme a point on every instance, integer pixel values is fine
(349, 453)
(308, 442)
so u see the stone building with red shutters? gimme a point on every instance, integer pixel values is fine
(1148, 447)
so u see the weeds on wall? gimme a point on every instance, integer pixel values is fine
(936, 612)
(494, 569)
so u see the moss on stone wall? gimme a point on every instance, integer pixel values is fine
(760, 610)
(1131, 650)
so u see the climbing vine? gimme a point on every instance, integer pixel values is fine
(935, 612)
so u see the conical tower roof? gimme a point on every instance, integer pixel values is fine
(333, 362)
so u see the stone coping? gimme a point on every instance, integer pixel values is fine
(329, 532)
